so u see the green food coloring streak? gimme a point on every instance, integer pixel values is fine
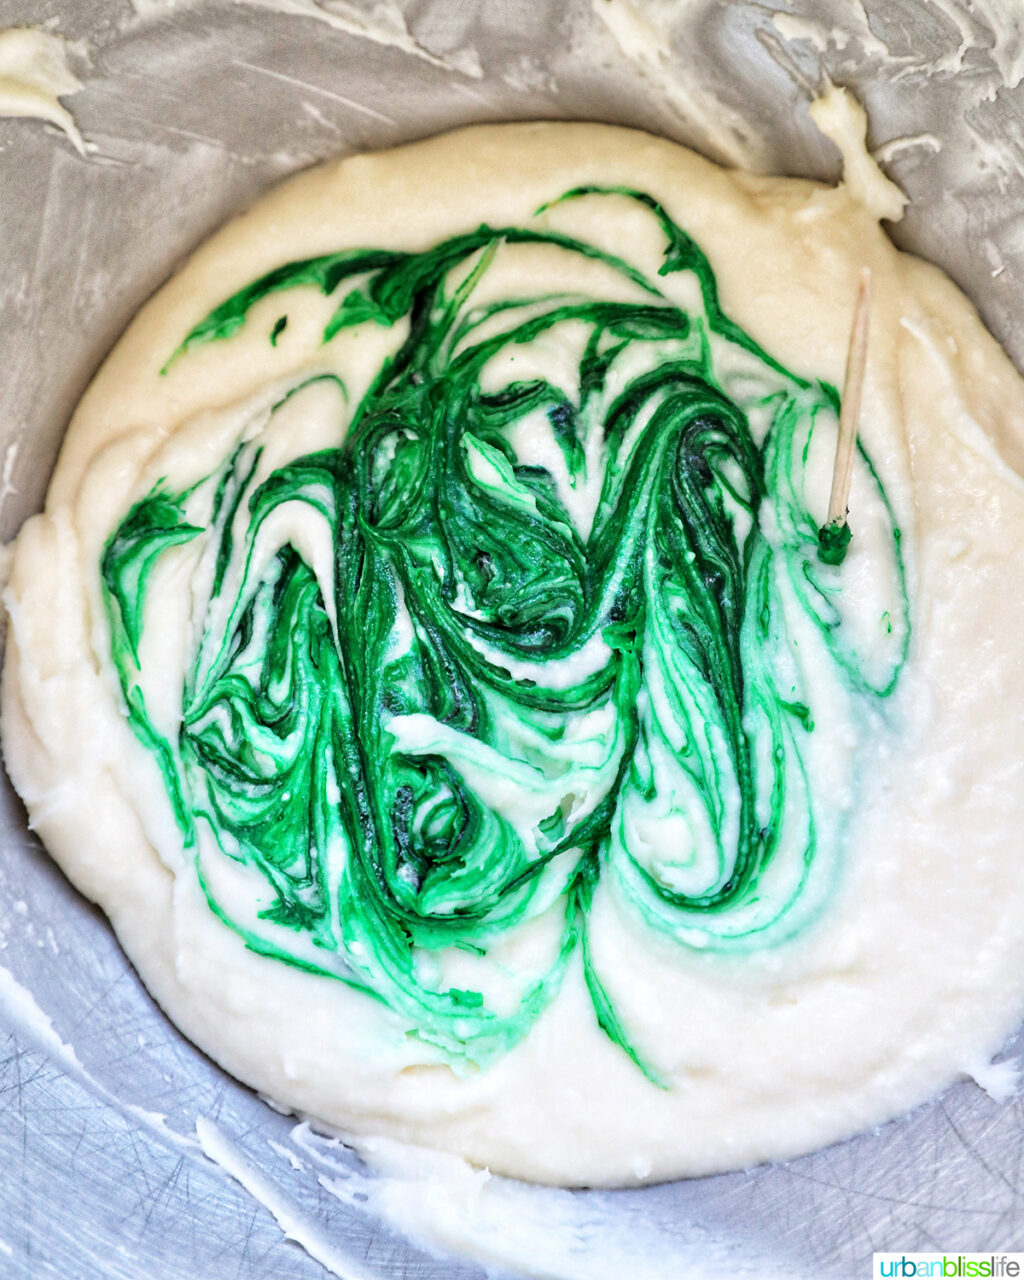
(527, 680)
(833, 542)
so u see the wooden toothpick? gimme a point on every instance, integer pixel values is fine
(834, 535)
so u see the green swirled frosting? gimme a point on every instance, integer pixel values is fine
(566, 633)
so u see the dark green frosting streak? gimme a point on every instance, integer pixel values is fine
(833, 542)
(403, 760)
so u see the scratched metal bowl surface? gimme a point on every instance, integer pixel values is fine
(193, 112)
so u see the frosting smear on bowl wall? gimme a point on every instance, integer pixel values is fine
(426, 660)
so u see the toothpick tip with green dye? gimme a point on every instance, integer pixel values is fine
(834, 535)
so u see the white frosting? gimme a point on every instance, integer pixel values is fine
(34, 74)
(913, 973)
(1000, 1080)
(994, 27)
(295, 1222)
(446, 1206)
(841, 118)
(642, 35)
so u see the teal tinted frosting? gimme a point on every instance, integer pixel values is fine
(519, 677)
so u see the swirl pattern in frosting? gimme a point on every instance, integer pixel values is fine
(548, 621)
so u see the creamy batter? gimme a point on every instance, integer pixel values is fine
(425, 659)
(34, 75)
